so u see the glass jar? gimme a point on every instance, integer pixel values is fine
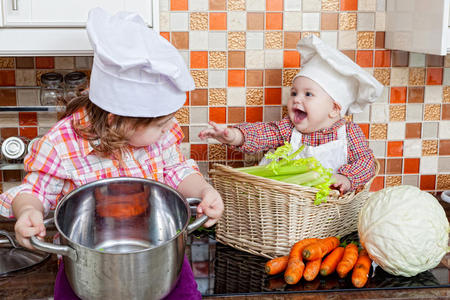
(52, 90)
(74, 85)
(14, 148)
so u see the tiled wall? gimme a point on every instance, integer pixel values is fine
(242, 56)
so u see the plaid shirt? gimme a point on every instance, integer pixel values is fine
(62, 161)
(262, 136)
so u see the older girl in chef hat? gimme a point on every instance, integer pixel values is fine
(328, 86)
(126, 127)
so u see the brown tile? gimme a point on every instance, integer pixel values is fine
(255, 78)
(199, 97)
(413, 130)
(350, 53)
(185, 130)
(217, 4)
(236, 115)
(416, 94)
(445, 111)
(236, 59)
(217, 152)
(272, 78)
(444, 147)
(7, 132)
(443, 182)
(45, 62)
(379, 39)
(8, 97)
(255, 21)
(7, 78)
(11, 176)
(6, 63)
(24, 62)
(394, 166)
(329, 21)
(416, 76)
(432, 112)
(291, 39)
(393, 180)
(180, 40)
(400, 58)
(429, 147)
(382, 163)
(434, 60)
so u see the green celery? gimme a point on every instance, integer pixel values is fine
(297, 179)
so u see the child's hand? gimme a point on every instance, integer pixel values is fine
(342, 184)
(211, 205)
(29, 223)
(223, 134)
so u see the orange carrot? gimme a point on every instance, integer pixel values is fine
(312, 269)
(277, 265)
(361, 270)
(295, 267)
(330, 262)
(348, 261)
(320, 248)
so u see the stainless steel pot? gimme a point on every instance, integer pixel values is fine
(122, 238)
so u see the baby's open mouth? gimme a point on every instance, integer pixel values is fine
(299, 115)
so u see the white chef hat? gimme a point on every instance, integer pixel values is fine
(136, 72)
(346, 82)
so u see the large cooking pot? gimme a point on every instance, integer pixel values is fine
(122, 238)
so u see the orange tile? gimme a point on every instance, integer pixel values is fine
(434, 76)
(165, 35)
(199, 97)
(272, 96)
(349, 5)
(186, 103)
(45, 62)
(27, 118)
(274, 21)
(411, 165)
(254, 114)
(236, 78)
(364, 58)
(395, 148)
(179, 5)
(7, 78)
(291, 59)
(398, 94)
(236, 115)
(199, 151)
(218, 21)
(218, 114)
(28, 132)
(199, 59)
(274, 5)
(427, 182)
(377, 184)
(382, 58)
(180, 40)
(365, 129)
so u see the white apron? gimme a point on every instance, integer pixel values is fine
(331, 155)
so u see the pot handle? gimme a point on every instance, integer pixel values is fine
(198, 222)
(52, 248)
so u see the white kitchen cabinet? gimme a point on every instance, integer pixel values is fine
(57, 27)
(418, 26)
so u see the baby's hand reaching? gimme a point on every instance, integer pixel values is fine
(223, 134)
(342, 184)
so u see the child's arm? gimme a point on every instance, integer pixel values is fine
(195, 185)
(222, 133)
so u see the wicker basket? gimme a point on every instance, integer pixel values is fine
(266, 217)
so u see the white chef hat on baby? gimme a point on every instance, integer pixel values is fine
(346, 82)
(135, 72)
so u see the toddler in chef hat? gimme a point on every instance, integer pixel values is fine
(328, 86)
(125, 127)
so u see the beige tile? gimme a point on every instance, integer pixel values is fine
(217, 152)
(447, 61)
(347, 40)
(383, 75)
(28, 97)
(308, 33)
(217, 97)
(217, 59)
(378, 131)
(198, 21)
(429, 147)
(399, 76)
(200, 78)
(236, 40)
(397, 112)
(432, 112)
(6, 62)
(25, 77)
(236, 4)
(182, 115)
(393, 180)
(347, 21)
(273, 40)
(254, 97)
(9, 119)
(288, 76)
(47, 118)
(366, 40)
(446, 94)
(443, 182)
(64, 62)
(416, 76)
(330, 5)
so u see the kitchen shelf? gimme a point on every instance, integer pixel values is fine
(32, 108)
(17, 166)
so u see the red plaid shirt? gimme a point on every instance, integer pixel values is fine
(262, 136)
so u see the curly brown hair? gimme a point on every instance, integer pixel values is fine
(113, 133)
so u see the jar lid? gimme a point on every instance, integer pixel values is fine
(30, 144)
(13, 148)
(75, 78)
(51, 77)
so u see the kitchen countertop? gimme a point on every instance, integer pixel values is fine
(219, 276)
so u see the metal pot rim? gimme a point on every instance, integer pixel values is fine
(113, 179)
